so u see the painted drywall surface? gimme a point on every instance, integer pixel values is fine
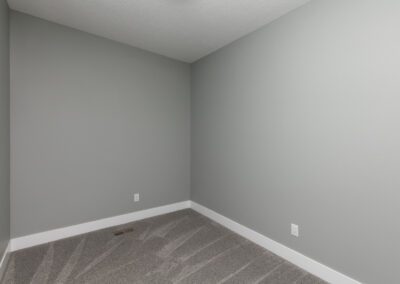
(4, 128)
(299, 123)
(92, 123)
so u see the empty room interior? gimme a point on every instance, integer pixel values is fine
(199, 141)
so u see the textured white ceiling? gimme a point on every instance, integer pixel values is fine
(182, 29)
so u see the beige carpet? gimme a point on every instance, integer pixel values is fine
(181, 247)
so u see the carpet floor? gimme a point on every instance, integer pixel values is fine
(180, 247)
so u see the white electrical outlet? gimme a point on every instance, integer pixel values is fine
(294, 229)
(136, 197)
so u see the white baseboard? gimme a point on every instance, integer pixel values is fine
(322, 271)
(62, 233)
(4, 260)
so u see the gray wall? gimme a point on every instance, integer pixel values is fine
(4, 129)
(299, 122)
(93, 122)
